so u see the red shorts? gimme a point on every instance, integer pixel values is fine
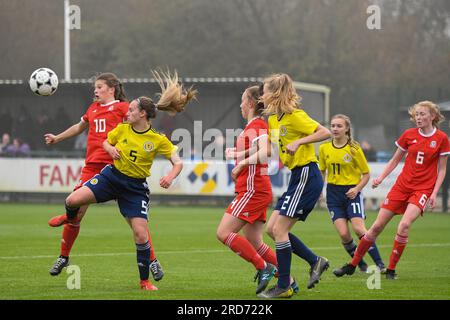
(398, 199)
(250, 206)
(88, 171)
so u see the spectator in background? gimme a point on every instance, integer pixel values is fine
(6, 141)
(6, 121)
(18, 149)
(21, 123)
(369, 151)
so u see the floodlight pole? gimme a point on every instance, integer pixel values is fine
(67, 75)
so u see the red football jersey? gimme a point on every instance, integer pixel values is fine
(257, 178)
(102, 118)
(423, 152)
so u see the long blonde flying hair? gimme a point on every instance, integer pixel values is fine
(172, 99)
(282, 96)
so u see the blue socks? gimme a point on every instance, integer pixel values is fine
(301, 250)
(284, 254)
(143, 259)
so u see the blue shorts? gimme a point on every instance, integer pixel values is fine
(340, 206)
(132, 195)
(304, 189)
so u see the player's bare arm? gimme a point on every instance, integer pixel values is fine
(353, 192)
(177, 166)
(391, 165)
(442, 170)
(73, 131)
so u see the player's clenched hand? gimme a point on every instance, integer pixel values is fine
(236, 170)
(432, 201)
(50, 138)
(165, 182)
(352, 193)
(376, 182)
(292, 147)
(114, 153)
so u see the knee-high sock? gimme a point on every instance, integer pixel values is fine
(267, 254)
(397, 250)
(284, 256)
(364, 244)
(301, 250)
(245, 250)
(143, 259)
(375, 254)
(350, 247)
(69, 235)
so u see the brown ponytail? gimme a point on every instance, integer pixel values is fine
(146, 104)
(254, 94)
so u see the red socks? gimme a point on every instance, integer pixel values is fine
(397, 250)
(364, 245)
(152, 253)
(243, 248)
(268, 254)
(69, 235)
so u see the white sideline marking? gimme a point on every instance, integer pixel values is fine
(423, 245)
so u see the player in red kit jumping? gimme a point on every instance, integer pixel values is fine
(427, 149)
(107, 111)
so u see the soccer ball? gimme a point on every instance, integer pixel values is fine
(43, 82)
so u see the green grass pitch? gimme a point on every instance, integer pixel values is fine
(196, 264)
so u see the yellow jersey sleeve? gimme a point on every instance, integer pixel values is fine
(322, 163)
(361, 162)
(166, 148)
(304, 123)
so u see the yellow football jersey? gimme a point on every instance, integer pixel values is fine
(138, 149)
(287, 129)
(344, 165)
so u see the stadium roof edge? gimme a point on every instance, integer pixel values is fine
(11, 81)
(298, 85)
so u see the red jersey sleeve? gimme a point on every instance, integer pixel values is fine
(445, 146)
(85, 116)
(402, 142)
